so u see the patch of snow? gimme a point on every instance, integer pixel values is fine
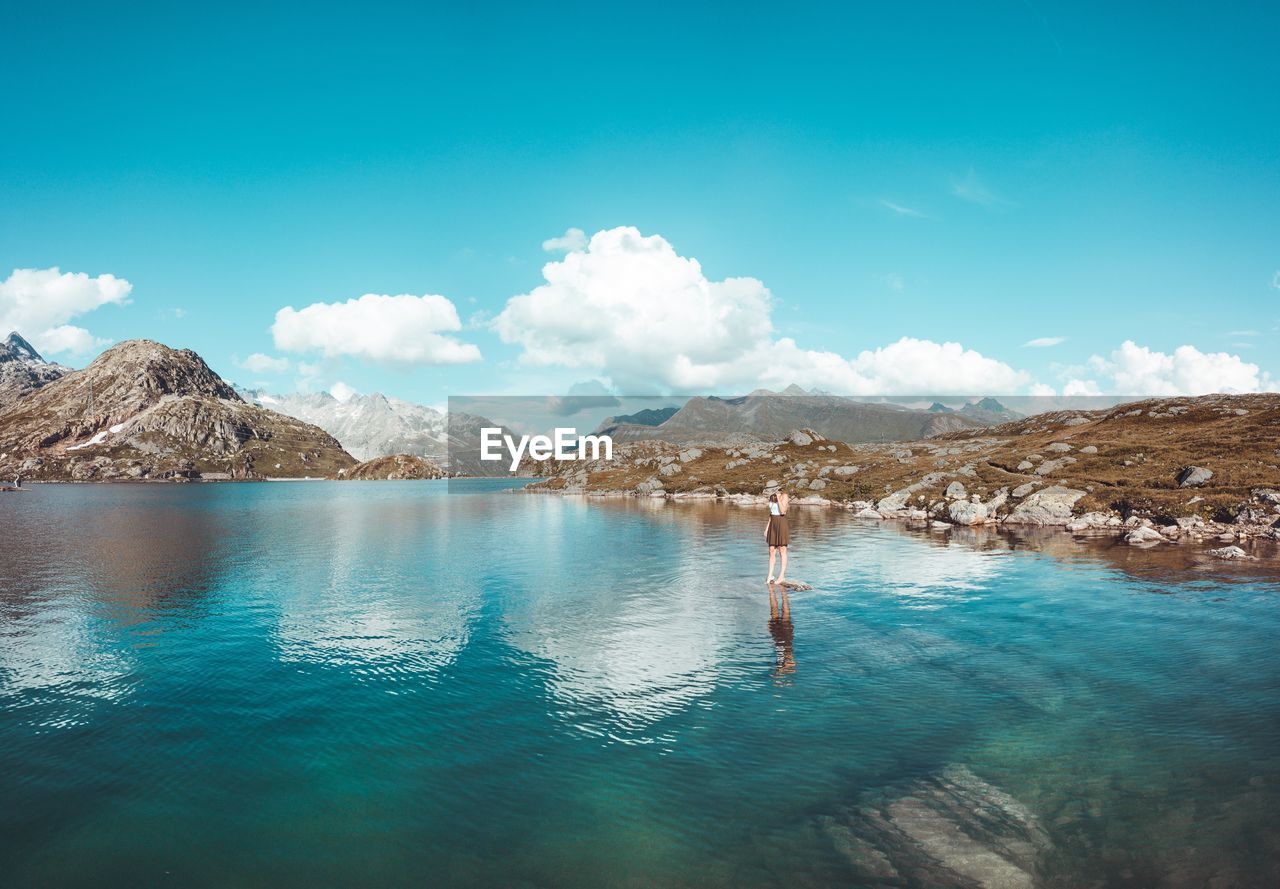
(267, 399)
(116, 428)
(97, 439)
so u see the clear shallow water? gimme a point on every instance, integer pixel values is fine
(387, 684)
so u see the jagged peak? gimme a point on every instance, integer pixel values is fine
(15, 346)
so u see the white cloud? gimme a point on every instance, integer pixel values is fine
(342, 391)
(907, 366)
(400, 329)
(1138, 370)
(972, 189)
(1081, 387)
(261, 364)
(1042, 390)
(631, 308)
(38, 303)
(1042, 342)
(900, 210)
(67, 338)
(894, 281)
(572, 240)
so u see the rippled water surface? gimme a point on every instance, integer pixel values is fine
(396, 684)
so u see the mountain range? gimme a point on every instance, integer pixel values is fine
(765, 416)
(142, 409)
(368, 426)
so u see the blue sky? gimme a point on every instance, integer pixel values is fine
(981, 174)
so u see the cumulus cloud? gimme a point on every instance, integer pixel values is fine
(260, 364)
(67, 338)
(631, 308)
(1042, 342)
(38, 303)
(1138, 370)
(572, 239)
(402, 329)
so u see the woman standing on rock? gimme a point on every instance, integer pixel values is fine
(776, 533)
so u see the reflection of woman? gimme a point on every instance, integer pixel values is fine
(776, 532)
(783, 632)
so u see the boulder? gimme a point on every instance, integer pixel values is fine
(1051, 466)
(1143, 535)
(867, 513)
(1089, 449)
(803, 437)
(844, 471)
(963, 512)
(690, 454)
(1023, 490)
(1230, 553)
(1193, 476)
(1026, 466)
(898, 499)
(671, 469)
(1059, 447)
(1051, 506)
(955, 491)
(1093, 521)
(817, 484)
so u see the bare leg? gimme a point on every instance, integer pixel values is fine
(773, 557)
(783, 573)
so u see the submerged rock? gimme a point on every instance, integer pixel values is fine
(1230, 553)
(950, 829)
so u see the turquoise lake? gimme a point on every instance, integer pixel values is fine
(423, 684)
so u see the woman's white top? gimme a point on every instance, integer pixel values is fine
(775, 508)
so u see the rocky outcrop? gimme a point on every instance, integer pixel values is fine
(143, 410)
(22, 370)
(398, 467)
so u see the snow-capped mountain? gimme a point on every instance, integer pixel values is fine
(368, 426)
(22, 370)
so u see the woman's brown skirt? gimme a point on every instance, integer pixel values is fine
(779, 534)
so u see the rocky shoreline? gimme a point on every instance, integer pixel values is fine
(1050, 511)
(1185, 470)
